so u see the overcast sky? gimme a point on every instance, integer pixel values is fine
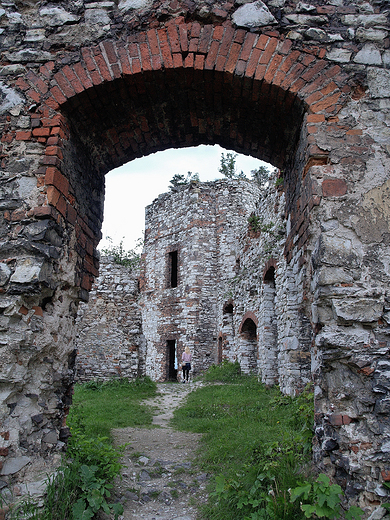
(132, 187)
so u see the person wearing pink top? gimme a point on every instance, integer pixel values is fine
(186, 363)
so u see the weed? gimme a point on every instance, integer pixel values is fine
(174, 493)
(322, 499)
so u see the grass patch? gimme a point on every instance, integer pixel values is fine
(82, 485)
(256, 443)
(112, 404)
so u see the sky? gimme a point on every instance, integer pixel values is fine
(133, 186)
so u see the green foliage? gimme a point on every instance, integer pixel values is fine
(279, 182)
(180, 180)
(261, 176)
(82, 485)
(255, 434)
(256, 223)
(128, 258)
(387, 504)
(323, 500)
(228, 167)
(226, 372)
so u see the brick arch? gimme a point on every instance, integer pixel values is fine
(291, 93)
(249, 315)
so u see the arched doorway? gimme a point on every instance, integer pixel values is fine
(248, 344)
(99, 106)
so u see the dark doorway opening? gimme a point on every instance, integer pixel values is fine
(219, 350)
(172, 361)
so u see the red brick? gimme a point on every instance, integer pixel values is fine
(61, 206)
(260, 71)
(195, 30)
(156, 62)
(136, 65)
(326, 9)
(183, 37)
(220, 13)
(199, 62)
(4, 451)
(315, 118)
(57, 95)
(205, 38)
(124, 60)
(20, 83)
(41, 132)
(153, 41)
(269, 50)
(385, 475)
(82, 75)
(220, 63)
(327, 102)
(285, 49)
(253, 62)
(272, 68)
(32, 94)
(23, 135)
(101, 65)
(145, 57)
(334, 188)
(73, 79)
(240, 68)
(262, 42)
(37, 82)
(177, 60)
(165, 49)
(173, 37)
(52, 195)
(64, 84)
(109, 48)
(315, 69)
(87, 55)
(55, 178)
(38, 310)
(189, 60)
(226, 41)
(248, 46)
(293, 74)
(54, 150)
(212, 55)
(193, 45)
(233, 57)
(218, 32)
(71, 214)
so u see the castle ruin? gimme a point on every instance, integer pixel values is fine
(87, 86)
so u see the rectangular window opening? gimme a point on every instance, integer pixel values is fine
(173, 269)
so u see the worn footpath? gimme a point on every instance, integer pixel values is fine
(159, 478)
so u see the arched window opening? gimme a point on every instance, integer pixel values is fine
(248, 346)
(268, 333)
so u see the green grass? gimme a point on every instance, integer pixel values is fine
(83, 483)
(256, 443)
(113, 404)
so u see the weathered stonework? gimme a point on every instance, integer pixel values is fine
(86, 86)
(109, 339)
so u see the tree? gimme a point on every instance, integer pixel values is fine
(261, 176)
(228, 167)
(180, 180)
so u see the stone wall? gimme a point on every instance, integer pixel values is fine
(86, 86)
(202, 223)
(109, 339)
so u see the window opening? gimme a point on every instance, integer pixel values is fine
(173, 269)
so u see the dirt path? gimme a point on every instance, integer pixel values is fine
(159, 480)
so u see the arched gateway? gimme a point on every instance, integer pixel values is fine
(89, 86)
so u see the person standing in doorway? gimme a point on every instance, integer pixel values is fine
(186, 363)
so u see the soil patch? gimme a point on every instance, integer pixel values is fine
(160, 480)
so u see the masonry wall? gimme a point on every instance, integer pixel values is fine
(87, 86)
(202, 223)
(109, 339)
